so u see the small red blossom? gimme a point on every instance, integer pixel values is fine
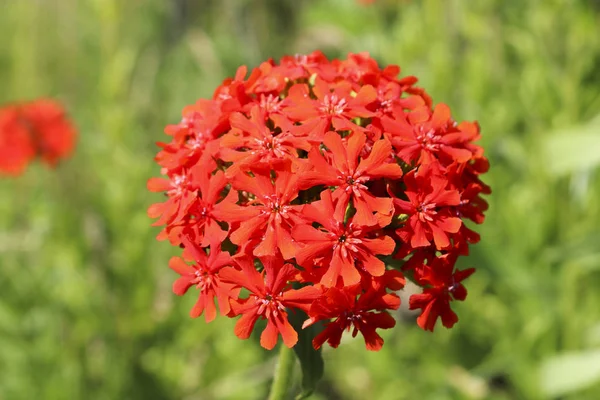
(341, 245)
(192, 138)
(202, 209)
(52, 131)
(181, 194)
(333, 105)
(261, 147)
(428, 207)
(325, 180)
(350, 177)
(270, 295)
(443, 284)
(428, 137)
(268, 214)
(38, 128)
(348, 312)
(204, 275)
(17, 148)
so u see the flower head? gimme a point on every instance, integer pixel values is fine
(326, 181)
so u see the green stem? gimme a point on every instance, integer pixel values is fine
(283, 374)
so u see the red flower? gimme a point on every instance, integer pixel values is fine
(53, 133)
(36, 128)
(389, 98)
(269, 297)
(268, 215)
(341, 245)
(204, 274)
(351, 176)
(444, 285)
(16, 145)
(348, 312)
(203, 223)
(181, 194)
(301, 66)
(305, 161)
(262, 148)
(333, 105)
(193, 137)
(430, 218)
(425, 137)
(472, 205)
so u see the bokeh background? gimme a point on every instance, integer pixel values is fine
(86, 309)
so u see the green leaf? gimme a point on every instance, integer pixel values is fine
(311, 361)
(569, 372)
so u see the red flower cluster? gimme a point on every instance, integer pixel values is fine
(316, 185)
(39, 128)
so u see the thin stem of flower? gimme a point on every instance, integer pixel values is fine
(284, 372)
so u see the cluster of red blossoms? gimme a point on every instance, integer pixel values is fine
(317, 185)
(38, 128)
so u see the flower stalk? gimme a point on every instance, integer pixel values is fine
(284, 372)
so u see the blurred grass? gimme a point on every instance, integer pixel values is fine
(86, 309)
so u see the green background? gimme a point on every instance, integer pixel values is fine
(86, 308)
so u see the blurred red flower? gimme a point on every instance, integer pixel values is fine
(17, 148)
(38, 128)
